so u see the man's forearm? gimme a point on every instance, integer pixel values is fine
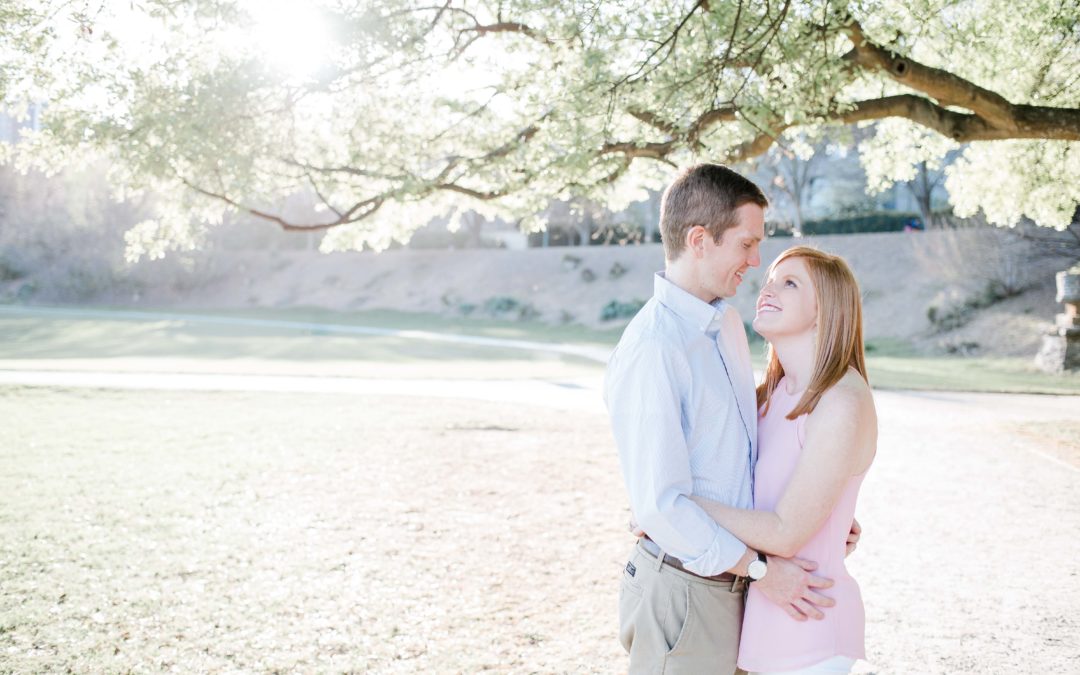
(740, 567)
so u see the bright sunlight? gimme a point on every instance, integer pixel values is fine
(291, 35)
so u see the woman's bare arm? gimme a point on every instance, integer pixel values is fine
(840, 434)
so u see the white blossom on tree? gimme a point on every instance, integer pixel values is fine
(392, 112)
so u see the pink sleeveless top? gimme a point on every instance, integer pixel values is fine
(771, 640)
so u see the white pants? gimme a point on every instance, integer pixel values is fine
(836, 665)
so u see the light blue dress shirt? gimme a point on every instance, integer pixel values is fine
(680, 393)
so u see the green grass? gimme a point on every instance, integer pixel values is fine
(175, 344)
(399, 320)
(893, 364)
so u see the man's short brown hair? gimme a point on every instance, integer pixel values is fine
(705, 195)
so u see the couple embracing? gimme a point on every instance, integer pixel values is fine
(744, 500)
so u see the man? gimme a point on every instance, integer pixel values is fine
(680, 394)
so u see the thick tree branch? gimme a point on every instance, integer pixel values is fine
(993, 118)
(655, 121)
(709, 119)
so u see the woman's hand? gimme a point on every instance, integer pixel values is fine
(853, 537)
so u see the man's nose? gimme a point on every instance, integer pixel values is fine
(755, 258)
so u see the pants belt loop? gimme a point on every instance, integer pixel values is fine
(659, 560)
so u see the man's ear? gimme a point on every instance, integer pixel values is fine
(695, 240)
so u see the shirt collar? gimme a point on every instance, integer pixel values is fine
(704, 316)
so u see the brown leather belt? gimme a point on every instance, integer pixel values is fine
(726, 577)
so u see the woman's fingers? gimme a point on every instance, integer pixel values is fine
(819, 600)
(808, 609)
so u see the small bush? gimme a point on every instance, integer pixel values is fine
(26, 291)
(621, 310)
(858, 224)
(528, 312)
(10, 270)
(588, 276)
(501, 305)
(570, 262)
(616, 271)
(951, 318)
(961, 348)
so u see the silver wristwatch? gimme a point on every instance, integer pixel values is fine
(757, 569)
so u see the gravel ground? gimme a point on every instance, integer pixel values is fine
(151, 531)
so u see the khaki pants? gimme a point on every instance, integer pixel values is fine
(674, 622)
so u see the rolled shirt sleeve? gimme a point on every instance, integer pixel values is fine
(645, 387)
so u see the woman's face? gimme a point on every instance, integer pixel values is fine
(787, 303)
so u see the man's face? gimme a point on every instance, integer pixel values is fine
(724, 264)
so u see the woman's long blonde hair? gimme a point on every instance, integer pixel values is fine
(839, 339)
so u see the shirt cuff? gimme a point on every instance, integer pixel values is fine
(723, 553)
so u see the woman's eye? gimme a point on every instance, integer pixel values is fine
(790, 283)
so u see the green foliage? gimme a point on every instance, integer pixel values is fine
(501, 305)
(621, 310)
(414, 110)
(506, 307)
(10, 269)
(957, 315)
(869, 222)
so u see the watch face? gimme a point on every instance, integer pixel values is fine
(756, 569)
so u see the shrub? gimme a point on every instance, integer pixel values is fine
(10, 269)
(501, 305)
(857, 224)
(955, 316)
(621, 310)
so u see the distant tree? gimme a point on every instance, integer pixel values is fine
(397, 111)
(792, 171)
(922, 188)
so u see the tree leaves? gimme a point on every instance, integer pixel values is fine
(420, 110)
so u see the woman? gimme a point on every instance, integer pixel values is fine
(817, 435)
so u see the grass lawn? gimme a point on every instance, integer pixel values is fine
(29, 340)
(35, 341)
(895, 365)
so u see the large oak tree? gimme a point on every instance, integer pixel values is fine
(398, 110)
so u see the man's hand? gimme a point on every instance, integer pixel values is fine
(853, 537)
(789, 585)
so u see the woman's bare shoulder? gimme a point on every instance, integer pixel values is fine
(850, 393)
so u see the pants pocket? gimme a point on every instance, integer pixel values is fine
(629, 606)
(677, 624)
